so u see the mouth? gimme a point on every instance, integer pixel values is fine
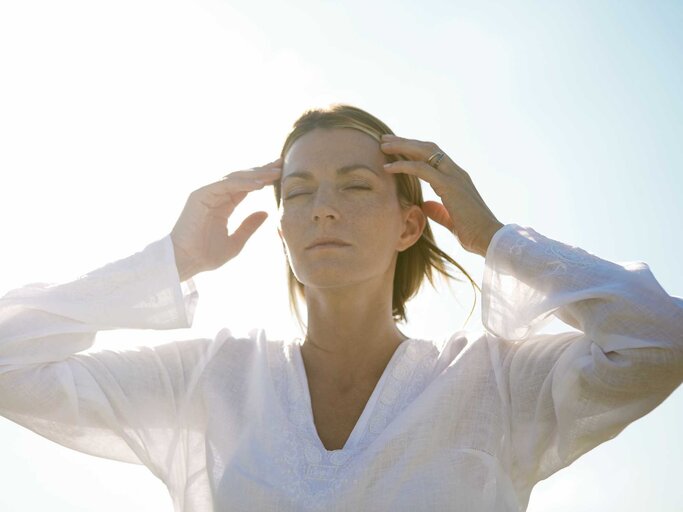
(325, 243)
(328, 246)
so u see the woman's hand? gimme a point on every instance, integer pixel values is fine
(200, 236)
(463, 211)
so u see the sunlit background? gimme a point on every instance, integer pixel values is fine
(567, 115)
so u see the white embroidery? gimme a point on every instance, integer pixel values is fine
(405, 381)
(559, 258)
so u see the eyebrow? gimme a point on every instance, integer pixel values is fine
(340, 172)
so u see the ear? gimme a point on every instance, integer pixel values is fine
(414, 222)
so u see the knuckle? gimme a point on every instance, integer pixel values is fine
(199, 196)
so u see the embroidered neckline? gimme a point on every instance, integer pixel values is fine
(364, 421)
(403, 379)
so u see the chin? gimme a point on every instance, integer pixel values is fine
(328, 274)
(328, 281)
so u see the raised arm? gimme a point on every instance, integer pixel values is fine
(570, 392)
(125, 405)
(132, 405)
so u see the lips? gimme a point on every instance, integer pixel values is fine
(327, 242)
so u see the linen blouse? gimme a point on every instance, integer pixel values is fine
(226, 423)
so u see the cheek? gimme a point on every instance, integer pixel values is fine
(293, 226)
(291, 218)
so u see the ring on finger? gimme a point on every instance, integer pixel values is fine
(437, 157)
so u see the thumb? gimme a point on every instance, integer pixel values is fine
(247, 228)
(439, 213)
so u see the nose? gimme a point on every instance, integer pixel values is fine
(323, 206)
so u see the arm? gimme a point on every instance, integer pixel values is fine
(125, 405)
(570, 392)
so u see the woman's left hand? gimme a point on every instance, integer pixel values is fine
(463, 211)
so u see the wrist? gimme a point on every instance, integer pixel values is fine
(186, 268)
(485, 239)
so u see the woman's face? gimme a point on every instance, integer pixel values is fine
(334, 185)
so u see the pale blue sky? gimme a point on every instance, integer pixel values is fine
(567, 115)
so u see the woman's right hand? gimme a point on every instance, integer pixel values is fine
(200, 236)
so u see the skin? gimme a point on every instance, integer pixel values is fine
(351, 333)
(462, 210)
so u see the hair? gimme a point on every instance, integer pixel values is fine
(421, 259)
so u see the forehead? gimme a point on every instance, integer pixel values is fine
(334, 147)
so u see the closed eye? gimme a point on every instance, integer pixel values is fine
(295, 195)
(304, 193)
(358, 185)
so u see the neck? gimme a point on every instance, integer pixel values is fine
(351, 333)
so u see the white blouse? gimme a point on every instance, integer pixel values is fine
(226, 423)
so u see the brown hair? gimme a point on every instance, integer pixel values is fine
(412, 264)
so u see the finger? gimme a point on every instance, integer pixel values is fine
(241, 180)
(226, 191)
(246, 229)
(439, 213)
(235, 182)
(392, 136)
(275, 164)
(265, 173)
(415, 150)
(419, 150)
(420, 169)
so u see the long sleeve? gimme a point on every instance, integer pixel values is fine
(125, 405)
(569, 392)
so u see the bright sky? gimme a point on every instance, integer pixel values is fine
(566, 115)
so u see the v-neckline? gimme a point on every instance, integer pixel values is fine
(359, 428)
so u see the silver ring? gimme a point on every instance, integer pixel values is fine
(437, 157)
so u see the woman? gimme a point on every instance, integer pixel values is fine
(357, 416)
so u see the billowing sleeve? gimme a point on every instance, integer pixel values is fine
(570, 392)
(125, 405)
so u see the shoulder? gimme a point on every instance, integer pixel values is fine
(476, 349)
(233, 352)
